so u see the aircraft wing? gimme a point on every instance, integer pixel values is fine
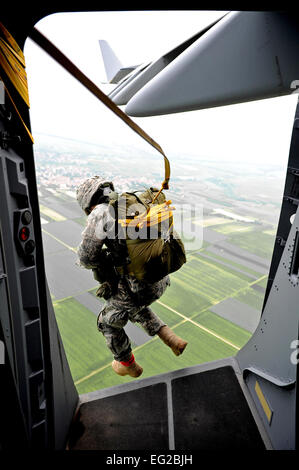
(130, 80)
(245, 56)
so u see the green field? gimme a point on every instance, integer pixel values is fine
(232, 263)
(233, 227)
(85, 347)
(263, 282)
(90, 360)
(184, 307)
(251, 297)
(55, 216)
(230, 331)
(200, 284)
(204, 281)
(156, 358)
(256, 242)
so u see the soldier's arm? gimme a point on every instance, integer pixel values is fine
(93, 237)
(89, 252)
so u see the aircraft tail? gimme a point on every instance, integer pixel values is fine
(113, 66)
(111, 62)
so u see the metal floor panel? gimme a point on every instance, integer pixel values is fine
(197, 408)
(130, 420)
(210, 412)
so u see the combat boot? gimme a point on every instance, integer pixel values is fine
(176, 343)
(129, 367)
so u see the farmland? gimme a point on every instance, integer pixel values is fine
(205, 281)
(214, 301)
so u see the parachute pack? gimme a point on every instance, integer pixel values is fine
(145, 224)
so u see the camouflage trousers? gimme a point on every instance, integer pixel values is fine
(130, 305)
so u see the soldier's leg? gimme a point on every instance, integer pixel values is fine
(149, 321)
(119, 344)
(111, 324)
(142, 314)
(153, 325)
(111, 321)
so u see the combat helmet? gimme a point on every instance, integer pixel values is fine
(88, 192)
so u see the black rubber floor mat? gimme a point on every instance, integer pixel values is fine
(129, 421)
(211, 413)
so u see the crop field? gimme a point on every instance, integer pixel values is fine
(232, 263)
(200, 284)
(228, 228)
(251, 297)
(51, 214)
(224, 328)
(85, 347)
(157, 358)
(248, 241)
(184, 307)
(232, 270)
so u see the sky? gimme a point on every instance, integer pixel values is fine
(257, 132)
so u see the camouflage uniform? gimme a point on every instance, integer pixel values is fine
(132, 300)
(134, 306)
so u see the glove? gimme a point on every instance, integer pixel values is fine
(106, 290)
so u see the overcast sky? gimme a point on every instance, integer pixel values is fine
(256, 131)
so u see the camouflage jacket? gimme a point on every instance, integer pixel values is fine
(99, 223)
(93, 236)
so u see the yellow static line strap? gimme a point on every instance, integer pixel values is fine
(153, 216)
(59, 57)
(263, 402)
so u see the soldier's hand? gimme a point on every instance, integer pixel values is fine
(105, 290)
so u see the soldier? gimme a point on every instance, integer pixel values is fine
(126, 297)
